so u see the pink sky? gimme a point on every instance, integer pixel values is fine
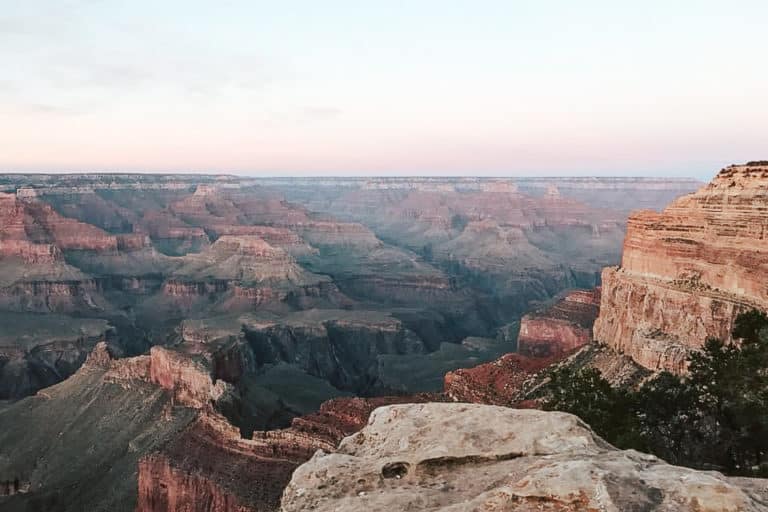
(491, 88)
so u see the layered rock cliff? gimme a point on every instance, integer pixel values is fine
(76, 445)
(209, 466)
(342, 347)
(472, 457)
(560, 328)
(687, 272)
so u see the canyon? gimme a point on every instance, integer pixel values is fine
(686, 274)
(236, 326)
(148, 434)
(449, 258)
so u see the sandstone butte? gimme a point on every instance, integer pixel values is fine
(687, 272)
(467, 457)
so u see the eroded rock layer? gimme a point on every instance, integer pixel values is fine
(561, 328)
(209, 465)
(499, 382)
(687, 272)
(76, 445)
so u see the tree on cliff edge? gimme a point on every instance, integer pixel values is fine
(716, 416)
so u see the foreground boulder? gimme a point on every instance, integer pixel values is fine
(464, 457)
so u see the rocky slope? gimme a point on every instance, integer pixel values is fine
(76, 445)
(559, 335)
(473, 457)
(146, 434)
(520, 381)
(688, 271)
(500, 382)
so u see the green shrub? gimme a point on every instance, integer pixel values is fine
(714, 417)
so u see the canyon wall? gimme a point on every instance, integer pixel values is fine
(210, 463)
(38, 351)
(559, 335)
(687, 272)
(342, 347)
(561, 328)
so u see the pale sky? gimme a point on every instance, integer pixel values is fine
(428, 87)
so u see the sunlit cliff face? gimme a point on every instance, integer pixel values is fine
(688, 271)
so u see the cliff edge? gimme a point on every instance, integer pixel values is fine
(463, 457)
(687, 272)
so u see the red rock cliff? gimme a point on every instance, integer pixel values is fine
(209, 463)
(496, 383)
(688, 271)
(560, 328)
(190, 381)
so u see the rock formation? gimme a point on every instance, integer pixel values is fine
(189, 380)
(37, 351)
(477, 457)
(499, 382)
(342, 347)
(515, 380)
(76, 445)
(546, 337)
(209, 463)
(687, 272)
(561, 328)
